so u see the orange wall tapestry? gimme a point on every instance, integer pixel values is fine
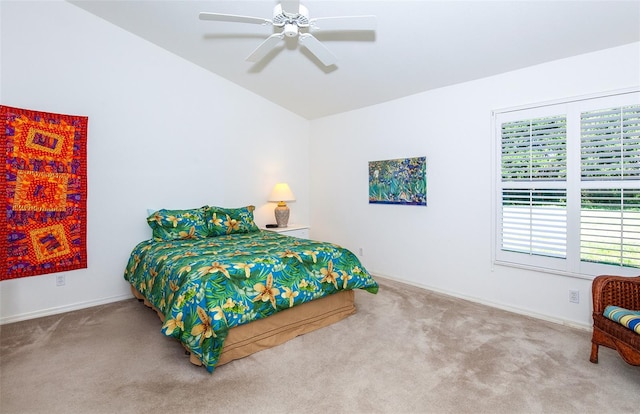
(44, 186)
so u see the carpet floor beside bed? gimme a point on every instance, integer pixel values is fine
(406, 350)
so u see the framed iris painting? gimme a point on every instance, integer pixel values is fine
(400, 181)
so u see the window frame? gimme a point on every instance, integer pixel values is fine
(572, 265)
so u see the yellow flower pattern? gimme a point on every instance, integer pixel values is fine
(231, 224)
(345, 278)
(157, 217)
(246, 267)
(174, 220)
(290, 253)
(329, 275)
(216, 220)
(203, 329)
(314, 255)
(266, 292)
(289, 294)
(188, 235)
(215, 268)
(171, 324)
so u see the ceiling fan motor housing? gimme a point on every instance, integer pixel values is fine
(291, 22)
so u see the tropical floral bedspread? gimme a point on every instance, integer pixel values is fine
(206, 286)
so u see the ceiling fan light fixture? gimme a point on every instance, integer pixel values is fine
(290, 30)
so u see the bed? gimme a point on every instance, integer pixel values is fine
(226, 289)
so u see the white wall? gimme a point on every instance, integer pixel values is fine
(163, 133)
(447, 245)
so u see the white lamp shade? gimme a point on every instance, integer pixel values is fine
(282, 192)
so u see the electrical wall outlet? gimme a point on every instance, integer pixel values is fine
(60, 281)
(360, 252)
(574, 296)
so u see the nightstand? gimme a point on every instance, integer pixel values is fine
(295, 230)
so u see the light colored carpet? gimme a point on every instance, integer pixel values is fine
(407, 350)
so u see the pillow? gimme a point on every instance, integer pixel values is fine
(179, 224)
(221, 221)
(625, 317)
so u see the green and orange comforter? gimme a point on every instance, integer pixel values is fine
(206, 286)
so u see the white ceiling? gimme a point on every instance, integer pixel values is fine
(417, 46)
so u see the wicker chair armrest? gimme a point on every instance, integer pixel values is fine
(620, 291)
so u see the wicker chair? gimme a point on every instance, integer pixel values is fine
(619, 291)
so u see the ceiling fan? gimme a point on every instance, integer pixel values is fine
(294, 20)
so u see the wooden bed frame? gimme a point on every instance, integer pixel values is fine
(278, 328)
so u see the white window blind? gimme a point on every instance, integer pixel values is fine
(610, 215)
(568, 185)
(534, 219)
(535, 222)
(534, 149)
(610, 227)
(610, 140)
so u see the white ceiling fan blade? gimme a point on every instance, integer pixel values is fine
(343, 23)
(233, 18)
(265, 47)
(290, 6)
(318, 49)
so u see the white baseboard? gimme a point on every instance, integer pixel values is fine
(507, 308)
(103, 301)
(62, 309)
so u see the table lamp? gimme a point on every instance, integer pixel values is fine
(281, 193)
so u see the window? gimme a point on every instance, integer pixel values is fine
(568, 186)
